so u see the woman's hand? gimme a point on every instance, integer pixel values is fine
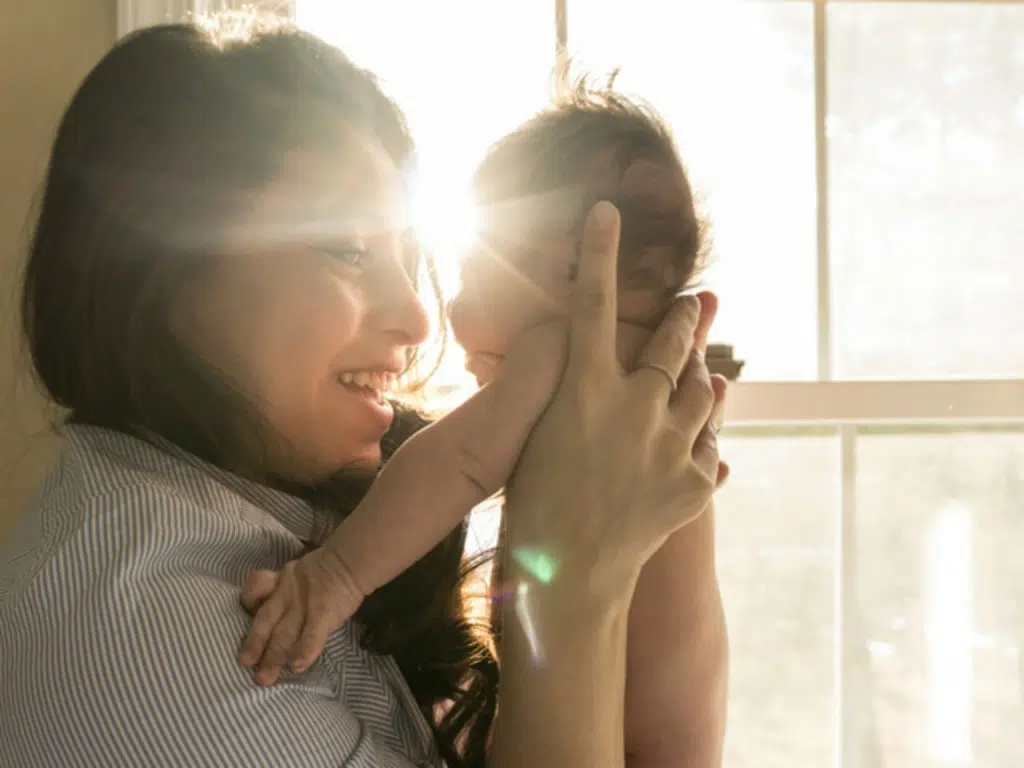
(619, 460)
(616, 464)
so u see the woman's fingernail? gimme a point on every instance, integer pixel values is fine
(604, 216)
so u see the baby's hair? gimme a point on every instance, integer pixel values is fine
(595, 143)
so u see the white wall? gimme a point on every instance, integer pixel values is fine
(46, 47)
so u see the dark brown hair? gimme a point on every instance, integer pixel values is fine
(594, 143)
(149, 169)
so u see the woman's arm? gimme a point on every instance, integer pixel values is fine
(588, 498)
(563, 674)
(678, 656)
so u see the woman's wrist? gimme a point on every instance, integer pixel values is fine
(572, 593)
(563, 679)
(577, 580)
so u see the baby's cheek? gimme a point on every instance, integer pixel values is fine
(489, 318)
(488, 322)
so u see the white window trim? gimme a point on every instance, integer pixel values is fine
(877, 402)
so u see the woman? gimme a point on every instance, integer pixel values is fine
(220, 240)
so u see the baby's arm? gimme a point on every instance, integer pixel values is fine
(422, 493)
(677, 648)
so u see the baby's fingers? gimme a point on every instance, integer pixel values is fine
(716, 420)
(279, 648)
(312, 642)
(263, 625)
(258, 587)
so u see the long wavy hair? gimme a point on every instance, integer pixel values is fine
(149, 167)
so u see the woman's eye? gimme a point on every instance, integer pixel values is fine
(350, 257)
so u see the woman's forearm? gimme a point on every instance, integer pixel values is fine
(678, 656)
(572, 719)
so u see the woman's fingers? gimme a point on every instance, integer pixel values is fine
(720, 387)
(684, 327)
(662, 360)
(594, 297)
(715, 423)
(705, 448)
(708, 312)
(694, 400)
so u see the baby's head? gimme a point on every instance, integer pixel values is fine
(535, 187)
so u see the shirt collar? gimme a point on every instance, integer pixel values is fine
(295, 514)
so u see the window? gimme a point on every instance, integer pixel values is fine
(736, 83)
(464, 72)
(862, 164)
(926, 169)
(857, 161)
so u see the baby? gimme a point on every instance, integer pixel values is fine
(535, 187)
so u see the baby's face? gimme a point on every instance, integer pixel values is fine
(508, 287)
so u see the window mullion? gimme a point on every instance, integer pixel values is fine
(561, 46)
(824, 266)
(847, 628)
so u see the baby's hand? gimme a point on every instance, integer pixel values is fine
(295, 609)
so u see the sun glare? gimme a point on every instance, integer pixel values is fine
(446, 220)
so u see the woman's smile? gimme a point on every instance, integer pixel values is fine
(370, 388)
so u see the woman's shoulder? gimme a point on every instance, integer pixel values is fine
(97, 462)
(113, 503)
(123, 559)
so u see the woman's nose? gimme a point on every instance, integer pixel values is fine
(401, 312)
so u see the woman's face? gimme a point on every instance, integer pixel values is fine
(310, 312)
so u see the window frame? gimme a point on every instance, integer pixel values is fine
(846, 408)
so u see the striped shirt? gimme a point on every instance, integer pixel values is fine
(120, 623)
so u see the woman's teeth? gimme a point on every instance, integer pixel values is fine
(376, 383)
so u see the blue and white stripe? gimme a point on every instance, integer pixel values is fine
(120, 621)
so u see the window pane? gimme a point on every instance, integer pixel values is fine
(926, 139)
(735, 80)
(464, 72)
(941, 581)
(776, 522)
